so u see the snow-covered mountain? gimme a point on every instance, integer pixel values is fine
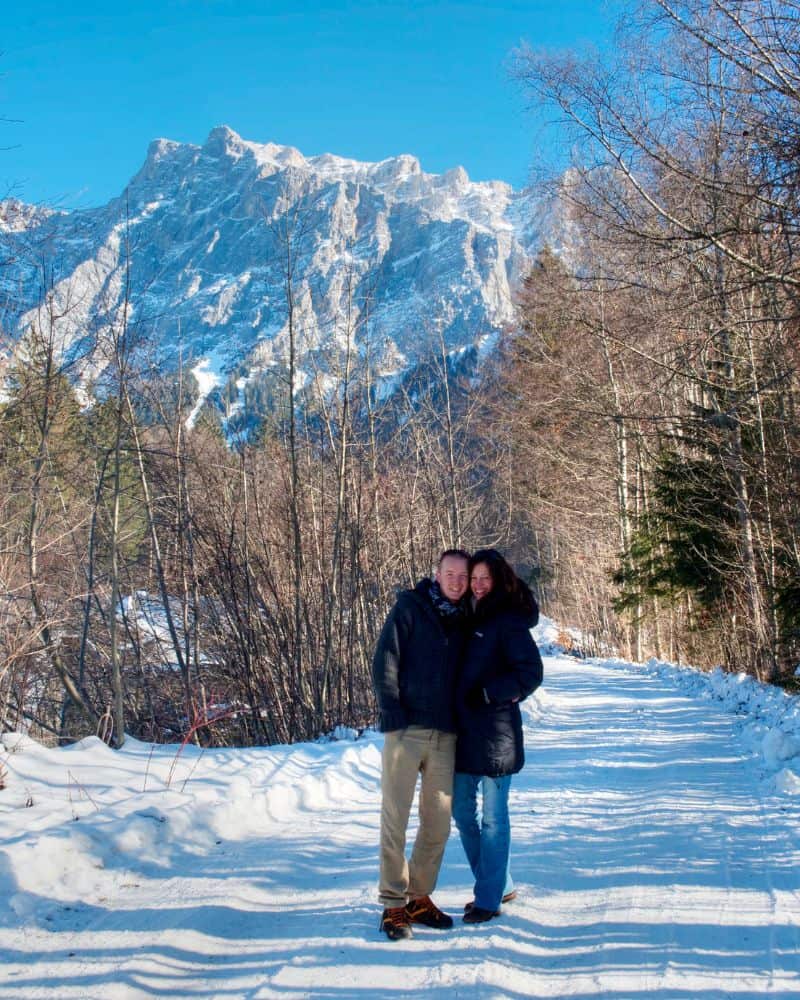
(381, 255)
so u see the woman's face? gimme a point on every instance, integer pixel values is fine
(480, 581)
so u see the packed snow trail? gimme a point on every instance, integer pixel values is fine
(652, 857)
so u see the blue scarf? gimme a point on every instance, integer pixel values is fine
(443, 605)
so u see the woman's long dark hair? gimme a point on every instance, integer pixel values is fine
(517, 593)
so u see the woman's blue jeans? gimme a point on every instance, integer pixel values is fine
(486, 841)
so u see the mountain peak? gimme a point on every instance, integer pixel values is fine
(159, 148)
(223, 141)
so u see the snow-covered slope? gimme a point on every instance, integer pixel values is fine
(655, 847)
(384, 252)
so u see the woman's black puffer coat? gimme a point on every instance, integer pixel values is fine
(502, 666)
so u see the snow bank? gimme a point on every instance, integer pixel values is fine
(81, 820)
(556, 640)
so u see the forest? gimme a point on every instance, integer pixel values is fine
(632, 443)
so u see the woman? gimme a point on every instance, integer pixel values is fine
(501, 667)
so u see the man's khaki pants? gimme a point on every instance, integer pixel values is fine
(406, 754)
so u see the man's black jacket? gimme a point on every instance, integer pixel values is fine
(416, 661)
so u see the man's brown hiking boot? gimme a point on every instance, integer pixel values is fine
(395, 924)
(425, 911)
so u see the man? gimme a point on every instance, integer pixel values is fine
(414, 670)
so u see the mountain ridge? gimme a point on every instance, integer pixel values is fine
(382, 256)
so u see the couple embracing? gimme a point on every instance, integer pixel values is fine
(453, 661)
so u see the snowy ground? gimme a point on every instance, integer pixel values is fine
(656, 849)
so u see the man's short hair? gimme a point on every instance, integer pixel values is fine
(458, 553)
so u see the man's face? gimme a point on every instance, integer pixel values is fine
(452, 577)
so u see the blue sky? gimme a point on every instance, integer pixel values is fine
(85, 86)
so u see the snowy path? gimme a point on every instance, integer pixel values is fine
(652, 861)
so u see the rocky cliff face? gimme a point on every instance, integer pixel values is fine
(381, 257)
